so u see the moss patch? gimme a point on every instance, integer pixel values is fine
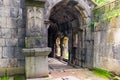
(102, 73)
(19, 77)
(4, 78)
(34, 3)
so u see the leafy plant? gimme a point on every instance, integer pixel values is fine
(99, 2)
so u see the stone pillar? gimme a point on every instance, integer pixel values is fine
(36, 51)
(12, 32)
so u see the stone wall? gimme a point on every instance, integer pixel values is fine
(12, 33)
(107, 45)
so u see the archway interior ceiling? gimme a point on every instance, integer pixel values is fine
(66, 11)
(64, 14)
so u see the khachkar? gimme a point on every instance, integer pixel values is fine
(12, 32)
(36, 51)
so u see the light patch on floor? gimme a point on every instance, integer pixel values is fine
(67, 78)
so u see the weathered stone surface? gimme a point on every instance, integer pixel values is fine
(2, 72)
(8, 52)
(2, 42)
(11, 42)
(116, 50)
(6, 33)
(4, 63)
(21, 33)
(40, 69)
(35, 24)
(14, 33)
(3, 22)
(1, 52)
(11, 23)
(14, 12)
(21, 63)
(15, 70)
(12, 71)
(15, 3)
(18, 53)
(35, 42)
(13, 62)
(21, 42)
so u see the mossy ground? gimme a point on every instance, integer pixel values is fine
(102, 73)
(17, 77)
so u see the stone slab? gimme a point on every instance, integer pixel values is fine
(37, 51)
(36, 67)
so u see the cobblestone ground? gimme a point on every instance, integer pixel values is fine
(61, 71)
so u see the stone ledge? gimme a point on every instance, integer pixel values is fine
(12, 71)
(37, 51)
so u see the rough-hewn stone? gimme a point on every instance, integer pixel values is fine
(8, 52)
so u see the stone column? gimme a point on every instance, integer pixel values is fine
(36, 51)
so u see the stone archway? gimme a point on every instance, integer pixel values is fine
(79, 20)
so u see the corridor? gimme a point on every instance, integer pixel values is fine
(59, 70)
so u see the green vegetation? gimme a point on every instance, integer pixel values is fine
(18, 77)
(106, 12)
(92, 24)
(99, 2)
(4, 78)
(102, 73)
(34, 3)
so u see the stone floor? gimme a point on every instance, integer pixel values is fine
(61, 71)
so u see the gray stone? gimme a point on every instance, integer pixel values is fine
(116, 50)
(1, 52)
(1, 2)
(11, 42)
(21, 43)
(4, 63)
(6, 33)
(39, 69)
(6, 12)
(18, 53)
(14, 33)
(21, 33)
(1, 11)
(2, 42)
(6, 2)
(11, 78)
(4, 22)
(21, 63)
(20, 21)
(15, 3)
(36, 51)
(36, 42)
(13, 62)
(8, 52)
(38, 57)
(11, 23)
(14, 12)
(0, 33)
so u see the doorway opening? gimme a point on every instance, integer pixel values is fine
(66, 34)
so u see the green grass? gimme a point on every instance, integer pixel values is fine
(4, 78)
(102, 73)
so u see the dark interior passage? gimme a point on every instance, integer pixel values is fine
(65, 31)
